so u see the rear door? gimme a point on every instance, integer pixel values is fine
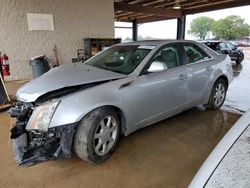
(200, 67)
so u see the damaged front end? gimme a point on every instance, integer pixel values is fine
(33, 140)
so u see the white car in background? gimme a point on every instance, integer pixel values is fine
(228, 165)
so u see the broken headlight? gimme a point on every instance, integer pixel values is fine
(42, 116)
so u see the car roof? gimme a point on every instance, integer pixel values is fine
(160, 43)
(212, 41)
(155, 42)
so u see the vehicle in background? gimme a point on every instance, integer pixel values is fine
(243, 44)
(228, 164)
(87, 106)
(226, 47)
(235, 43)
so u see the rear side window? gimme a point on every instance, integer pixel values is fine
(194, 53)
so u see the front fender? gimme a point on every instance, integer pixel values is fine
(75, 106)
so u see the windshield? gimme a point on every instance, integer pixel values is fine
(121, 59)
(230, 45)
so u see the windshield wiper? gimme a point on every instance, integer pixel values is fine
(103, 67)
(108, 69)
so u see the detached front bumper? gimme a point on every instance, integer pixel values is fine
(33, 146)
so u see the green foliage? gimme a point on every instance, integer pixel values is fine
(231, 27)
(201, 26)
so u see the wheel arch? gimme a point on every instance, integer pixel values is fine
(120, 114)
(209, 103)
(223, 77)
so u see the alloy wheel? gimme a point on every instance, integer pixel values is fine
(105, 135)
(219, 95)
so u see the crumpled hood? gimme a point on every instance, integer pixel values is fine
(61, 77)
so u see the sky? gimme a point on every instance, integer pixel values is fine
(167, 29)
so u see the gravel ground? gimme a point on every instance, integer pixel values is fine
(234, 170)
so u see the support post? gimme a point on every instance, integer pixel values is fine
(181, 26)
(135, 30)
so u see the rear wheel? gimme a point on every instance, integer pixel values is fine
(218, 95)
(97, 135)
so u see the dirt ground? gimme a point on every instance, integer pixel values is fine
(167, 154)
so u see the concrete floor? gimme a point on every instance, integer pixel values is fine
(167, 154)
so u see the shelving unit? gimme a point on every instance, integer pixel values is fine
(94, 45)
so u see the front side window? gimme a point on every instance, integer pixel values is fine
(167, 55)
(120, 59)
(230, 45)
(194, 53)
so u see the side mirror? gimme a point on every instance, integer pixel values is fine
(157, 66)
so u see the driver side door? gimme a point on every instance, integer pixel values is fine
(158, 95)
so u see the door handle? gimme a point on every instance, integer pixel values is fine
(182, 77)
(209, 68)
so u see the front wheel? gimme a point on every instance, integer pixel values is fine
(97, 135)
(218, 95)
(240, 59)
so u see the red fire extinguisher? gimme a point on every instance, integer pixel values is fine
(5, 65)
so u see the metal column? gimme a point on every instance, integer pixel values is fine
(181, 25)
(135, 30)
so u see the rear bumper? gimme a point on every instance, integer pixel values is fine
(31, 147)
(237, 57)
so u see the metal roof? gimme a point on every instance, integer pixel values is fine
(155, 10)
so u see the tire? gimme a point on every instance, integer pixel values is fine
(97, 135)
(240, 59)
(218, 95)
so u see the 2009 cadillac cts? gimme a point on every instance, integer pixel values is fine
(86, 107)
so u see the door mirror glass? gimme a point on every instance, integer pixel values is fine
(157, 66)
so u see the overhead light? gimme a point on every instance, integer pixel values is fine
(177, 5)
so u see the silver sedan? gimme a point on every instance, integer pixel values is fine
(86, 107)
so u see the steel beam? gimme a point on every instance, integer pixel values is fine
(135, 30)
(181, 26)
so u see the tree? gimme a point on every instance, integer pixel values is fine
(231, 27)
(201, 27)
